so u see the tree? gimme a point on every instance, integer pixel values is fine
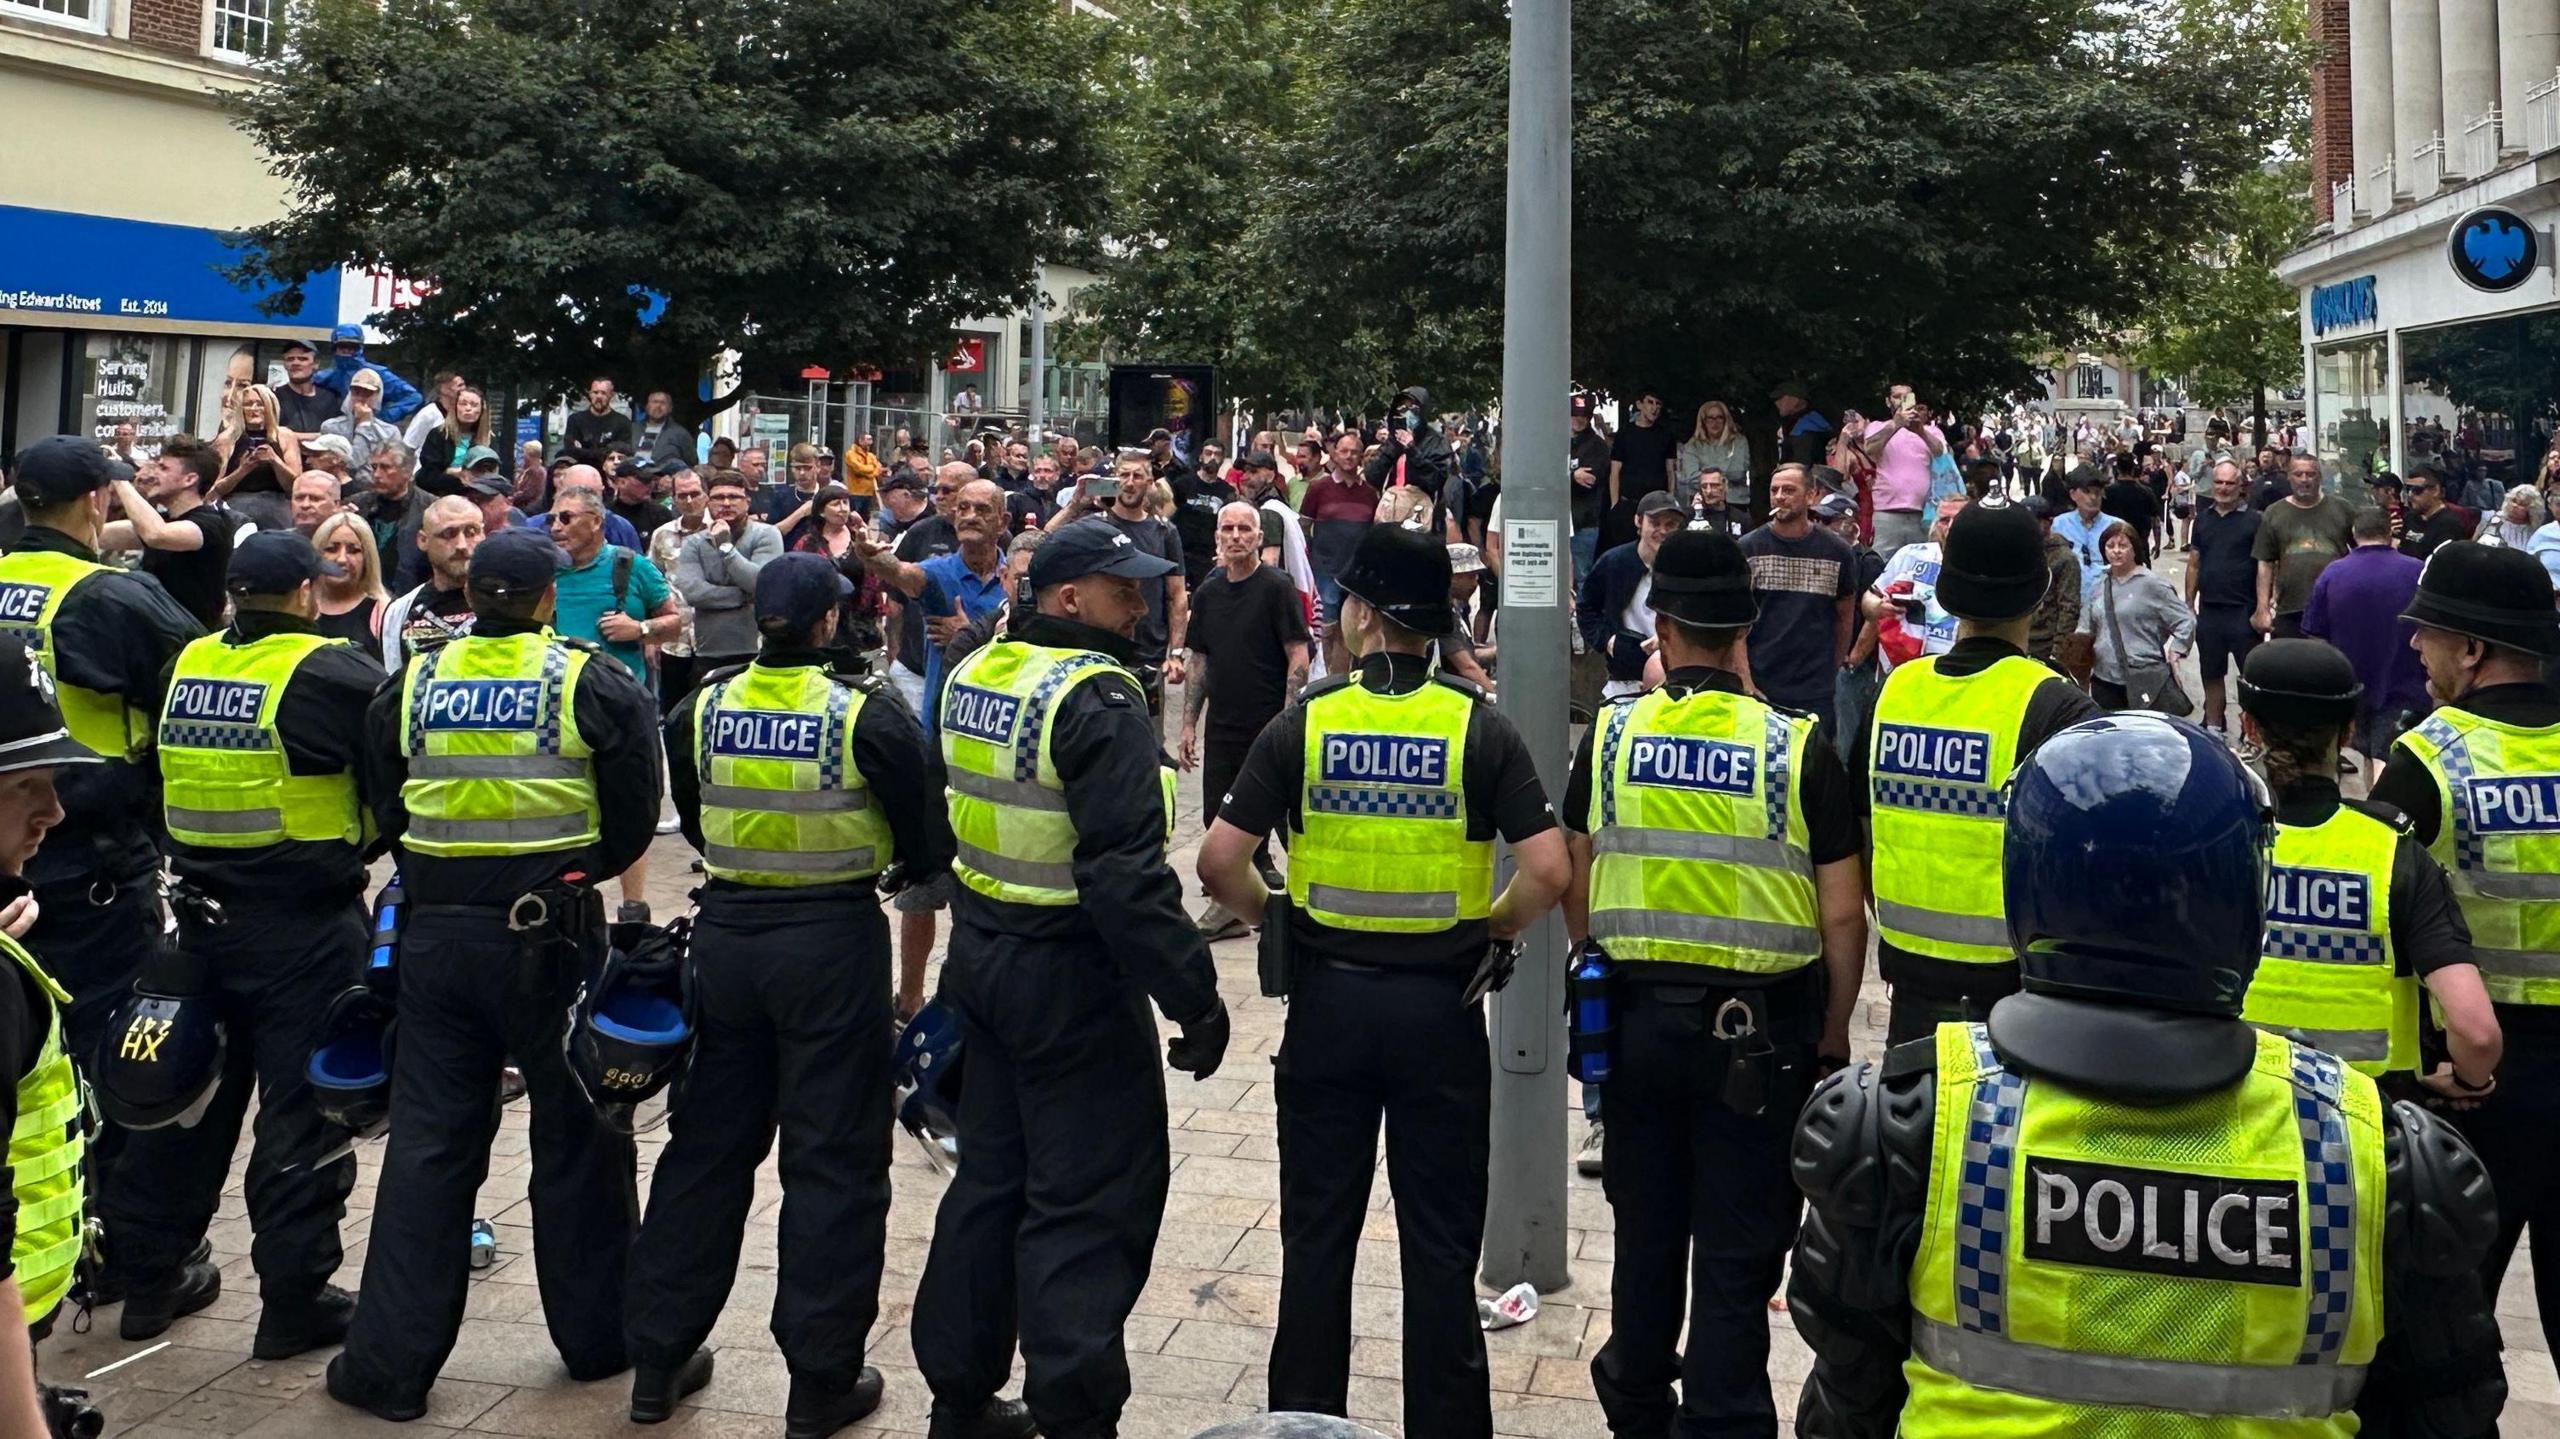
(631, 186)
(1839, 191)
(2224, 323)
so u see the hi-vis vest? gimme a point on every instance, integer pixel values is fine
(2499, 838)
(2327, 971)
(782, 801)
(2210, 1268)
(1698, 834)
(45, 1146)
(1008, 806)
(1937, 768)
(1382, 843)
(33, 584)
(225, 779)
(496, 763)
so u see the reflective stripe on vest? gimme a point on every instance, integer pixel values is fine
(1016, 842)
(496, 763)
(33, 586)
(1940, 755)
(783, 802)
(1381, 843)
(1698, 834)
(226, 781)
(2216, 1260)
(45, 1148)
(2498, 836)
(2326, 970)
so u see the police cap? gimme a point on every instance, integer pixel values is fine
(2489, 592)
(1991, 566)
(514, 562)
(32, 734)
(1402, 574)
(1093, 547)
(1701, 578)
(796, 590)
(62, 467)
(274, 562)
(2299, 682)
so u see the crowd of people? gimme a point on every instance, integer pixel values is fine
(1883, 686)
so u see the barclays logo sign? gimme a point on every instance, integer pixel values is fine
(2344, 305)
(2494, 249)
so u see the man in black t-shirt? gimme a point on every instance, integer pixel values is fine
(185, 539)
(1640, 462)
(1250, 653)
(922, 533)
(2222, 584)
(1198, 496)
(592, 430)
(2430, 521)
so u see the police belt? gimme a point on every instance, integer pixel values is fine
(752, 908)
(1455, 973)
(1789, 1011)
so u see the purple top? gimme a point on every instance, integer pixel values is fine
(2356, 606)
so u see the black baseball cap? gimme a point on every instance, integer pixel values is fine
(32, 734)
(274, 562)
(514, 561)
(1657, 502)
(903, 478)
(62, 467)
(1259, 460)
(1093, 547)
(488, 486)
(796, 590)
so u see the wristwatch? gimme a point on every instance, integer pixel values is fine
(1181, 654)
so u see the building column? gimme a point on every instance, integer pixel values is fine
(2417, 87)
(2392, 389)
(2528, 55)
(2470, 31)
(2369, 90)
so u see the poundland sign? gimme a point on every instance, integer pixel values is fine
(2344, 305)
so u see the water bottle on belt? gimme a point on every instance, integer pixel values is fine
(1594, 1019)
(390, 915)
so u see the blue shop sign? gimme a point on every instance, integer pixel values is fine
(114, 270)
(2344, 305)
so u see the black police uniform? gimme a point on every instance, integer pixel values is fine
(289, 935)
(1376, 1028)
(793, 1028)
(97, 878)
(1928, 991)
(469, 1002)
(1705, 1210)
(1051, 1222)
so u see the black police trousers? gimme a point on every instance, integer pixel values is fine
(275, 967)
(1063, 1165)
(91, 935)
(1916, 1014)
(1706, 1211)
(469, 1001)
(2513, 1132)
(1361, 1045)
(793, 1029)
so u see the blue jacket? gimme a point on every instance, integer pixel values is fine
(1604, 598)
(400, 399)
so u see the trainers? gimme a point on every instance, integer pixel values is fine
(654, 1392)
(1217, 922)
(1587, 1159)
(290, 1327)
(632, 912)
(148, 1313)
(817, 1411)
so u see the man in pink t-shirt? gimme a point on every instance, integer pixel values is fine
(1901, 446)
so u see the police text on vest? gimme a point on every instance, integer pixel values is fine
(2157, 1221)
(766, 734)
(1678, 762)
(2515, 804)
(217, 701)
(1386, 759)
(1951, 756)
(22, 604)
(980, 714)
(484, 704)
(2321, 898)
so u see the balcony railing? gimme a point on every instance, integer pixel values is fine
(2426, 167)
(2542, 115)
(2342, 203)
(2480, 143)
(2377, 187)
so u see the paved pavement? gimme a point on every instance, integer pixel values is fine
(1197, 1342)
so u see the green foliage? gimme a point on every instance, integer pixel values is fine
(2224, 323)
(1841, 191)
(829, 182)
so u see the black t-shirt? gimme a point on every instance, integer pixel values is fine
(1503, 796)
(305, 414)
(1590, 452)
(930, 535)
(194, 578)
(2226, 569)
(1162, 540)
(1799, 583)
(588, 433)
(2419, 537)
(1248, 630)
(1196, 502)
(1643, 453)
(2132, 502)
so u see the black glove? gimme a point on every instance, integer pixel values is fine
(1202, 1043)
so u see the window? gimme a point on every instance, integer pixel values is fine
(242, 29)
(2092, 382)
(78, 14)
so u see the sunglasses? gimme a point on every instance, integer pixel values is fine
(946, 489)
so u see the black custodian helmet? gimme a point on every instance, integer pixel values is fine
(159, 1061)
(630, 1033)
(350, 1070)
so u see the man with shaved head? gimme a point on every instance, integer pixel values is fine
(1249, 655)
(437, 610)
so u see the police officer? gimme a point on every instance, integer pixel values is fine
(2479, 780)
(799, 785)
(1394, 780)
(1066, 921)
(43, 1195)
(517, 769)
(1716, 854)
(1947, 731)
(259, 753)
(2115, 1207)
(2359, 915)
(106, 637)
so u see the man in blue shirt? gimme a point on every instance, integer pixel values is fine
(2085, 527)
(964, 585)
